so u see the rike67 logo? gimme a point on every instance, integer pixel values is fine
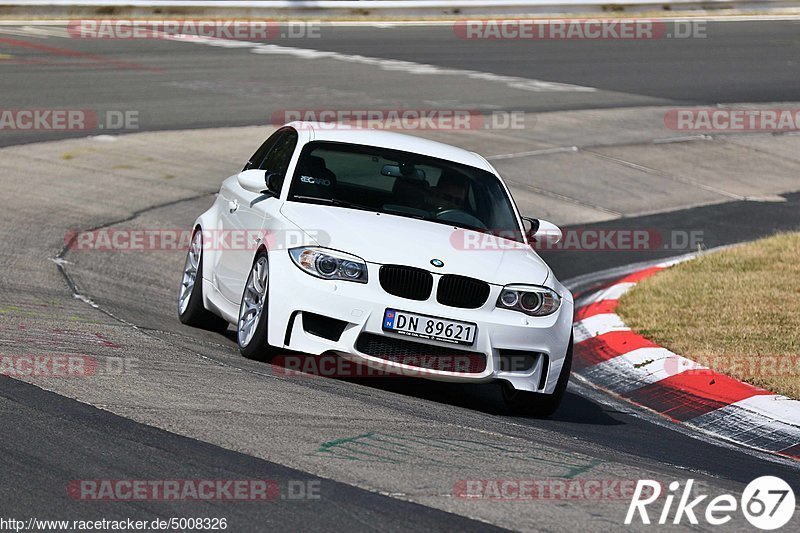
(767, 502)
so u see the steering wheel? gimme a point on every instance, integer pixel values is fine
(459, 216)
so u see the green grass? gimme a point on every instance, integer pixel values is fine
(736, 311)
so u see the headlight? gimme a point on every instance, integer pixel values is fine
(329, 264)
(529, 299)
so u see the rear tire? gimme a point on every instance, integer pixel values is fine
(190, 297)
(537, 404)
(251, 327)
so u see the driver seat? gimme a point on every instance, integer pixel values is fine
(323, 182)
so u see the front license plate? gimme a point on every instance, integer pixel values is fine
(429, 327)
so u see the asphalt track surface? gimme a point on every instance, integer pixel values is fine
(167, 83)
(50, 439)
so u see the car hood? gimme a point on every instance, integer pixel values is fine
(389, 239)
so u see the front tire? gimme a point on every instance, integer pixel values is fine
(251, 327)
(190, 297)
(537, 404)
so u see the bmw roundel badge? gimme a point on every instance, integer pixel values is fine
(438, 263)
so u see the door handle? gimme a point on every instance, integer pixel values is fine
(233, 205)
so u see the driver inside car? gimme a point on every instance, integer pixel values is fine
(451, 192)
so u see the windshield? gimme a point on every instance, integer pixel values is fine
(404, 184)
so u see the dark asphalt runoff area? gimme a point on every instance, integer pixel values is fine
(76, 442)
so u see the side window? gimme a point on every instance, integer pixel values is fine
(258, 157)
(277, 160)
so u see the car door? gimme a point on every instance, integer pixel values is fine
(244, 214)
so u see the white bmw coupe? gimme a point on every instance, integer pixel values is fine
(385, 249)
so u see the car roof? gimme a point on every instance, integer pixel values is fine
(334, 132)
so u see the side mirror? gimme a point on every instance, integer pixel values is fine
(253, 180)
(256, 180)
(543, 231)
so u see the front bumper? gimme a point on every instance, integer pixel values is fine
(501, 333)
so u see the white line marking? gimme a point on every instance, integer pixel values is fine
(755, 422)
(677, 260)
(774, 406)
(543, 151)
(687, 138)
(613, 292)
(47, 32)
(656, 172)
(30, 31)
(411, 67)
(392, 65)
(637, 368)
(597, 325)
